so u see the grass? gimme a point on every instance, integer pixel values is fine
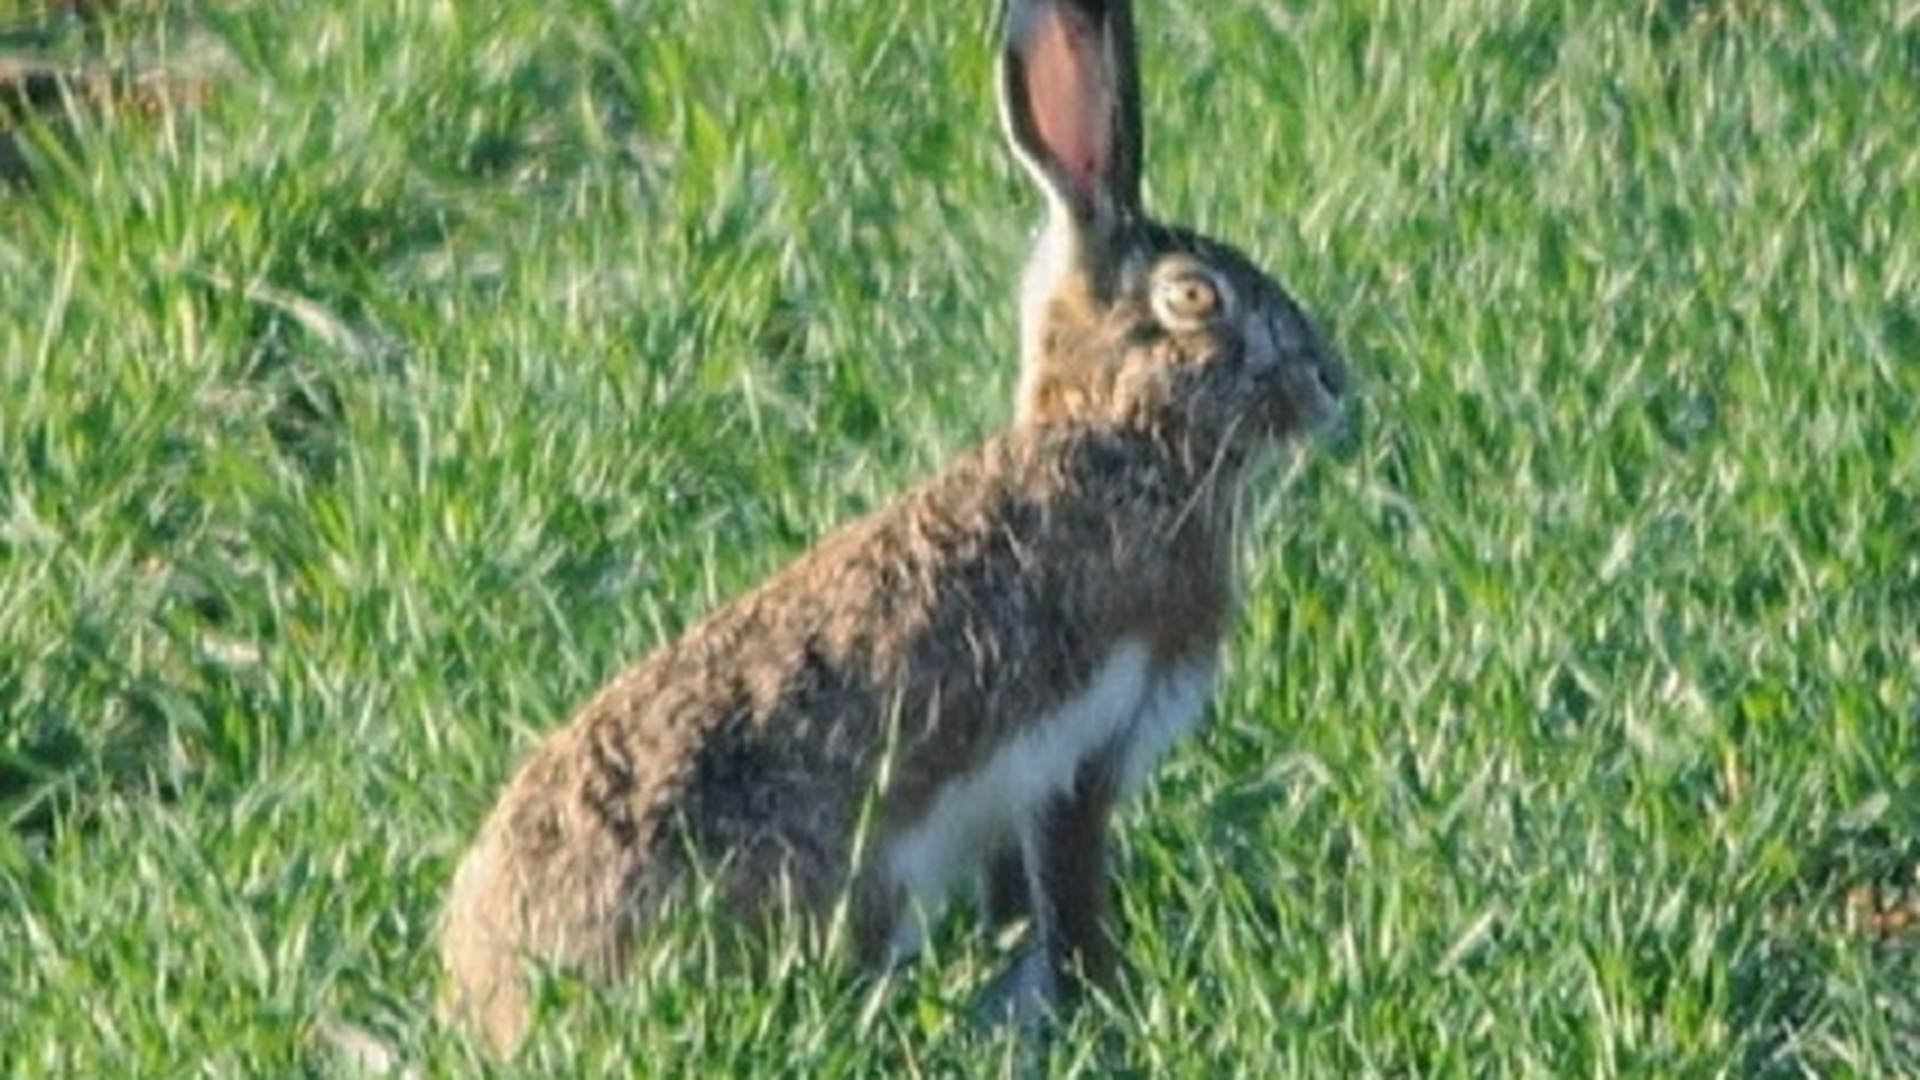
(359, 417)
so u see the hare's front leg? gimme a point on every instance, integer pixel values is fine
(1058, 877)
(1072, 895)
(1005, 896)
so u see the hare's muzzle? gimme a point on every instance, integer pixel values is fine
(1313, 379)
(1329, 385)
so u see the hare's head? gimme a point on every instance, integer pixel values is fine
(1124, 319)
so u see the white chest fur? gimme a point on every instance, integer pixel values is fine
(1174, 703)
(1129, 701)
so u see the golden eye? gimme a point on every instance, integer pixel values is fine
(1186, 300)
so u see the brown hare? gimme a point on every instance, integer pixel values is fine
(959, 686)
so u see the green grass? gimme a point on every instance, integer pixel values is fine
(355, 424)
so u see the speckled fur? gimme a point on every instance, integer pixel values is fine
(902, 651)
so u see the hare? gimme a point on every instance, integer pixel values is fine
(959, 686)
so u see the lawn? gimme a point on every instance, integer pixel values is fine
(375, 380)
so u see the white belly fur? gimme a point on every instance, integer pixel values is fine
(1174, 704)
(974, 814)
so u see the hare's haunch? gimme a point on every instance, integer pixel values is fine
(969, 678)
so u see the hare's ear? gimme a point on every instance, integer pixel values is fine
(1070, 98)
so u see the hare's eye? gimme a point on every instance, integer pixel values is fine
(1186, 300)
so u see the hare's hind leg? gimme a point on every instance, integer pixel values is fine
(551, 883)
(480, 950)
(511, 911)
